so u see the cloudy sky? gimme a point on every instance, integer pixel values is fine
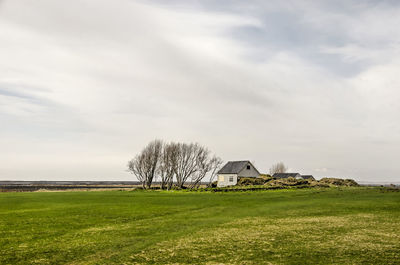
(84, 85)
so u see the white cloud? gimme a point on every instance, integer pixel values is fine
(85, 85)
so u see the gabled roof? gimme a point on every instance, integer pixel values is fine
(307, 177)
(285, 175)
(234, 167)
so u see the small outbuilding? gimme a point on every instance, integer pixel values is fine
(287, 175)
(308, 177)
(292, 175)
(229, 174)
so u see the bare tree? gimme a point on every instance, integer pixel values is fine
(216, 163)
(188, 157)
(173, 160)
(205, 166)
(144, 166)
(278, 168)
(202, 167)
(168, 164)
(135, 166)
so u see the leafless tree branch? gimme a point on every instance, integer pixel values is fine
(278, 168)
(144, 166)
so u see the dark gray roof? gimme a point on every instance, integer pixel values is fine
(307, 176)
(234, 167)
(285, 175)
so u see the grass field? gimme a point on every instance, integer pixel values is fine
(309, 226)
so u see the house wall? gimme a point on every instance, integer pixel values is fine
(248, 173)
(223, 180)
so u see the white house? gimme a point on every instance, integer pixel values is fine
(229, 174)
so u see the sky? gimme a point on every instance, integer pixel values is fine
(86, 84)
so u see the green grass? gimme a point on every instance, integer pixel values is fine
(307, 226)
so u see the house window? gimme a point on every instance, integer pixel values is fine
(221, 178)
(230, 179)
(248, 167)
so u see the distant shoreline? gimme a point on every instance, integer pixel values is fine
(10, 186)
(83, 182)
(135, 183)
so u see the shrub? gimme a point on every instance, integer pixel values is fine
(214, 184)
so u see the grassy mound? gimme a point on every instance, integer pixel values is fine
(288, 182)
(339, 182)
(267, 180)
(251, 181)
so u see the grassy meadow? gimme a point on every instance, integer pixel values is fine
(303, 226)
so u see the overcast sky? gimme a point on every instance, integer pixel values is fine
(84, 85)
